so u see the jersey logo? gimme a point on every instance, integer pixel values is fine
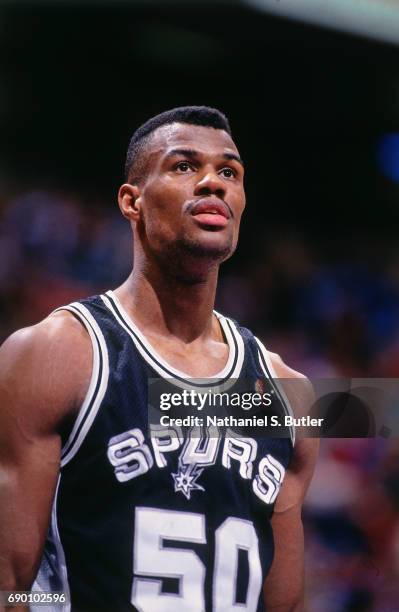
(186, 479)
(131, 457)
(199, 452)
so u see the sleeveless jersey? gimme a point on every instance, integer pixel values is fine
(160, 523)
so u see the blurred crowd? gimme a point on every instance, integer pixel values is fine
(336, 318)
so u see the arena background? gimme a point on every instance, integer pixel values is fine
(315, 113)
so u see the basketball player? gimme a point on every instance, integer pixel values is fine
(93, 506)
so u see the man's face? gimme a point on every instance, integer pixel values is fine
(192, 196)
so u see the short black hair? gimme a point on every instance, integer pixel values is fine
(193, 115)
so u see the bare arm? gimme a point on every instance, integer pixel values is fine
(284, 585)
(44, 374)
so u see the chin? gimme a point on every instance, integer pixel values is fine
(191, 260)
(213, 247)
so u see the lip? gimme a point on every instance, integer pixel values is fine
(211, 214)
(211, 207)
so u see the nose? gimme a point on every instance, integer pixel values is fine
(210, 184)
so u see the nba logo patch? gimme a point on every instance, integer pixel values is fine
(260, 386)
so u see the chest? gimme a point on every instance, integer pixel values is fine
(196, 360)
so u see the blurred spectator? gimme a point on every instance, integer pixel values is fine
(55, 248)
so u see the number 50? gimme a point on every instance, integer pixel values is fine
(153, 561)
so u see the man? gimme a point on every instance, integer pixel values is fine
(91, 504)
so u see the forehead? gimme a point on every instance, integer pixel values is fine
(200, 138)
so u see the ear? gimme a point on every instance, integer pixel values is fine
(129, 201)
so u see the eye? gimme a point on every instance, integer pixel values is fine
(228, 172)
(183, 166)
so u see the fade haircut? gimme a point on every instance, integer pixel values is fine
(194, 115)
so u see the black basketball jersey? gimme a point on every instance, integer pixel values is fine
(160, 523)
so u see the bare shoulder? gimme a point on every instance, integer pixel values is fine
(300, 394)
(56, 330)
(282, 369)
(296, 385)
(45, 369)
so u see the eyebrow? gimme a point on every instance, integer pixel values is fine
(193, 154)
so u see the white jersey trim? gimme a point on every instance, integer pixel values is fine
(98, 382)
(271, 374)
(230, 371)
(42, 579)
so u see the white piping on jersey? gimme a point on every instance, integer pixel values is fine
(271, 374)
(60, 551)
(39, 584)
(230, 371)
(98, 382)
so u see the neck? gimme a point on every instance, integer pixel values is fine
(167, 304)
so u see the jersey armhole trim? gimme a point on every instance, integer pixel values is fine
(97, 386)
(270, 373)
(44, 580)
